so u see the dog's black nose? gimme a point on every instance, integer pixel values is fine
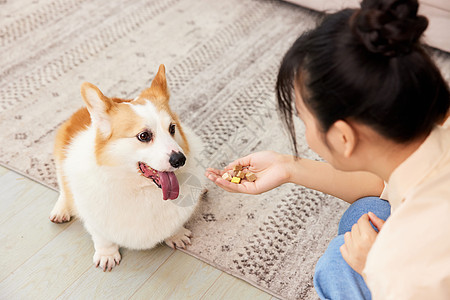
(177, 159)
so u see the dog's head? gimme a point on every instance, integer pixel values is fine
(141, 134)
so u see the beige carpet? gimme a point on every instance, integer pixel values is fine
(221, 59)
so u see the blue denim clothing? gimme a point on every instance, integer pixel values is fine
(334, 279)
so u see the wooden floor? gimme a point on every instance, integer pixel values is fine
(42, 260)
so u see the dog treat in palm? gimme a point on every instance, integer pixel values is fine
(250, 176)
(235, 180)
(239, 173)
(237, 168)
(227, 176)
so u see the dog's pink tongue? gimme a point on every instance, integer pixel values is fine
(169, 185)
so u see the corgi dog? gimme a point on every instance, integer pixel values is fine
(118, 163)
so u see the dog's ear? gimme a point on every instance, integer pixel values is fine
(98, 106)
(159, 83)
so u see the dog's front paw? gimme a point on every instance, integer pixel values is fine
(106, 260)
(61, 212)
(180, 239)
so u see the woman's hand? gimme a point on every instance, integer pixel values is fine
(271, 170)
(359, 241)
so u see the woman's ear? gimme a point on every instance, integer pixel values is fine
(343, 138)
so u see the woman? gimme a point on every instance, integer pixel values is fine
(374, 106)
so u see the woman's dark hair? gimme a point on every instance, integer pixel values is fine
(366, 65)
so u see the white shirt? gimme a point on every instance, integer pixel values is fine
(410, 258)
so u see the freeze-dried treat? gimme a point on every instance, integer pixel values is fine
(250, 176)
(235, 180)
(238, 174)
(227, 176)
(237, 168)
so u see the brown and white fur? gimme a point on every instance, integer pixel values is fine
(98, 157)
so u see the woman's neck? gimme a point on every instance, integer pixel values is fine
(386, 157)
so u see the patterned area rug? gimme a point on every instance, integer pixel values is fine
(221, 59)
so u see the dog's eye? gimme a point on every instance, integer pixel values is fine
(172, 129)
(145, 136)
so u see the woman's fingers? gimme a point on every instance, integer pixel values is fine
(366, 231)
(377, 222)
(214, 171)
(218, 180)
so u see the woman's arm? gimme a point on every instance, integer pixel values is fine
(321, 176)
(274, 169)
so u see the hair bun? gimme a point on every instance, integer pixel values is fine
(389, 27)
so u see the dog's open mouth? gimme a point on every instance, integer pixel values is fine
(167, 181)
